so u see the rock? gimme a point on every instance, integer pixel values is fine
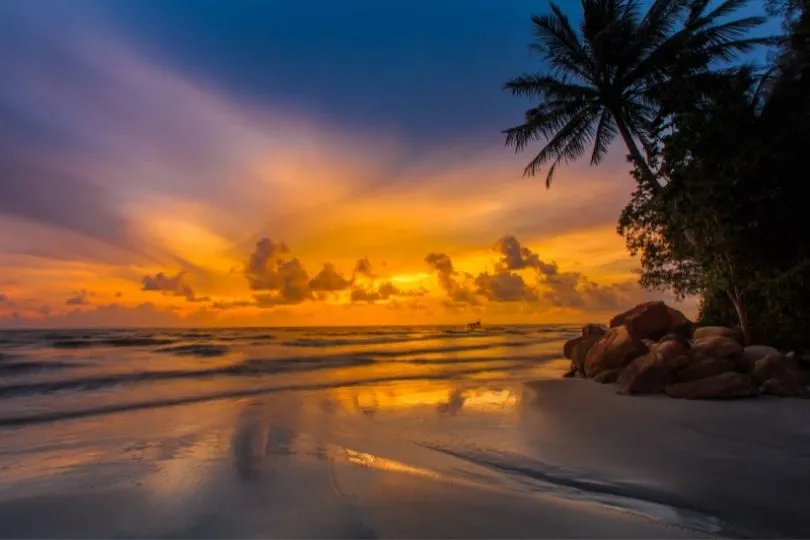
(614, 350)
(572, 371)
(580, 352)
(781, 388)
(769, 367)
(647, 374)
(609, 376)
(568, 348)
(715, 331)
(780, 368)
(590, 330)
(679, 325)
(676, 337)
(725, 385)
(678, 363)
(649, 320)
(752, 353)
(670, 349)
(717, 347)
(704, 369)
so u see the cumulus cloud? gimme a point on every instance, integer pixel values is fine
(171, 286)
(79, 298)
(329, 280)
(261, 267)
(504, 286)
(363, 268)
(456, 289)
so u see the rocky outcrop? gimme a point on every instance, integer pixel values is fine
(580, 352)
(651, 320)
(708, 367)
(614, 350)
(782, 388)
(725, 385)
(648, 350)
(568, 348)
(607, 377)
(647, 374)
(714, 331)
(717, 347)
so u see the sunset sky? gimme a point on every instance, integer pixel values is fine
(288, 163)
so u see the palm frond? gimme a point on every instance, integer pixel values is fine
(547, 86)
(606, 131)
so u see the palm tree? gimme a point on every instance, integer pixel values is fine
(610, 77)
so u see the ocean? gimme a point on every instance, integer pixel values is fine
(48, 375)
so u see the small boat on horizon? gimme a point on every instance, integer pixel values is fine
(476, 325)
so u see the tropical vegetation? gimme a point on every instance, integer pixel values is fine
(716, 146)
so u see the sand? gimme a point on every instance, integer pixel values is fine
(417, 459)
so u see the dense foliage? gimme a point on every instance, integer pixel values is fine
(720, 209)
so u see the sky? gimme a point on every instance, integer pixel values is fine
(211, 163)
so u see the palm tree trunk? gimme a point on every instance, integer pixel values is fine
(635, 154)
(736, 298)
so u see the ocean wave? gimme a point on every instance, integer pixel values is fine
(111, 342)
(461, 348)
(197, 349)
(53, 416)
(15, 368)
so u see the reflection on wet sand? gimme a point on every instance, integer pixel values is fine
(445, 397)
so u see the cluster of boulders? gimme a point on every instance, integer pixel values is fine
(654, 349)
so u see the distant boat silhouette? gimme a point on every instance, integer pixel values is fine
(474, 325)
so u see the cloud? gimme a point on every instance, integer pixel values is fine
(171, 286)
(3, 298)
(80, 298)
(457, 291)
(504, 286)
(514, 256)
(233, 304)
(329, 280)
(363, 268)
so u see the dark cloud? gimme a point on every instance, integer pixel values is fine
(3, 298)
(504, 286)
(456, 290)
(171, 286)
(363, 268)
(226, 305)
(80, 298)
(329, 280)
(260, 269)
(514, 256)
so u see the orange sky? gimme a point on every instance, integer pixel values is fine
(162, 226)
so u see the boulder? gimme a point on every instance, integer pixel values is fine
(678, 363)
(715, 331)
(704, 369)
(580, 352)
(590, 330)
(572, 371)
(780, 368)
(717, 347)
(679, 324)
(676, 337)
(725, 385)
(614, 350)
(609, 376)
(649, 320)
(770, 367)
(752, 353)
(781, 388)
(647, 374)
(670, 350)
(568, 348)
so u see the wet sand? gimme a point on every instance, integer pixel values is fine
(415, 459)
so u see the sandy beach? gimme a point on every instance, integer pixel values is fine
(472, 446)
